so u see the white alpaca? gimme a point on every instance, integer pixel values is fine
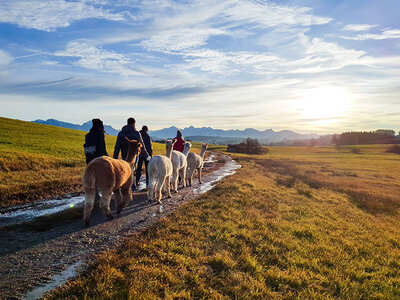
(195, 162)
(179, 165)
(160, 171)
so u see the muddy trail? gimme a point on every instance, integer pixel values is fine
(46, 243)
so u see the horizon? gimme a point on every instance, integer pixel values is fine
(310, 67)
(196, 127)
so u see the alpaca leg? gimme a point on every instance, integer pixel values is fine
(126, 198)
(199, 171)
(150, 191)
(118, 200)
(189, 176)
(175, 181)
(167, 184)
(105, 203)
(90, 196)
(159, 187)
(183, 176)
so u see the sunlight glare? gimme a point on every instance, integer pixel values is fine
(325, 103)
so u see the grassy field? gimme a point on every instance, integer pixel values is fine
(38, 161)
(297, 223)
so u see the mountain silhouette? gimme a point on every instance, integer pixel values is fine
(194, 133)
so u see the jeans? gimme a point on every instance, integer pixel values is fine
(139, 169)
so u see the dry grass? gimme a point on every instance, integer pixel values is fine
(252, 238)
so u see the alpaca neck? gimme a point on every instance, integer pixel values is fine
(186, 151)
(131, 156)
(168, 152)
(203, 151)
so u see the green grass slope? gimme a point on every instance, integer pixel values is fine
(39, 160)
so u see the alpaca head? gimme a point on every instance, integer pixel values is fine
(204, 146)
(169, 144)
(168, 147)
(133, 149)
(186, 148)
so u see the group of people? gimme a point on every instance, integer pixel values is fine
(95, 145)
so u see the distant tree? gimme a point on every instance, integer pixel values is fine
(360, 138)
(251, 146)
(386, 132)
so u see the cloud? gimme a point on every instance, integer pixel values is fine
(181, 39)
(96, 58)
(229, 63)
(358, 27)
(5, 59)
(49, 15)
(386, 34)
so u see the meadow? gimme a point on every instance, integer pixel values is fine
(296, 223)
(39, 161)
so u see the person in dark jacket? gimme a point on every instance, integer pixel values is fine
(129, 131)
(179, 141)
(147, 143)
(95, 145)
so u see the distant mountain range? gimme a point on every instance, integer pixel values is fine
(267, 135)
(84, 127)
(205, 134)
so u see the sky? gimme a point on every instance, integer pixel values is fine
(312, 66)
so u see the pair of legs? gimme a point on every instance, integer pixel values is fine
(182, 174)
(190, 176)
(155, 187)
(139, 170)
(122, 197)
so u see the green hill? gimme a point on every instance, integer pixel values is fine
(37, 160)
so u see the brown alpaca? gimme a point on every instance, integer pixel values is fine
(109, 175)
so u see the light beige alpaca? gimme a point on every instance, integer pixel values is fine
(160, 171)
(195, 162)
(109, 175)
(179, 165)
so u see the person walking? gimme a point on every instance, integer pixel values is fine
(129, 131)
(178, 142)
(95, 145)
(142, 157)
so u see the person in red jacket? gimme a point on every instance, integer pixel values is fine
(179, 141)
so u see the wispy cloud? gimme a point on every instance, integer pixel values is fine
(179, 39)
(386, 34)
(96, 58)
(5, 59)
(48, 15)
(358, 27)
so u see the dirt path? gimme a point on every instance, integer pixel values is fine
(33, 258)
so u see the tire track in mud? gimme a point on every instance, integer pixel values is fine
(36, 262)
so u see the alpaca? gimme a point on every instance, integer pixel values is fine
(179, 165)
(195, 162)
(109, 175)
(160, 171)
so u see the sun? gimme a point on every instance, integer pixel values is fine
(324, 103)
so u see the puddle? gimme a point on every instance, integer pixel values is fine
(57, 280)
(229, 169)
(27, 212)
(18, 214)
(210, 159)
